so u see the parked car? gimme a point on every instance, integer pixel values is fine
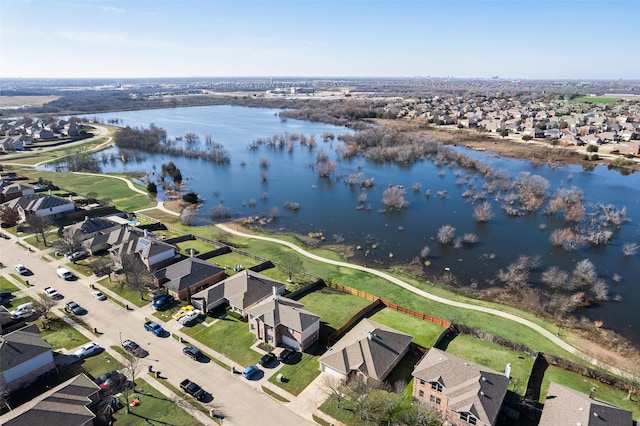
(104, 377)
(134, 349)
(193, 389)
(52, 293)
(190, 317)
(250, 371)
(192, 352)
(98, 295)
(77, 255)
(64, 273)
(267, 359)
(154, 327)
(182, 312)
(21, 269)
(286, 355)
(161, 301)
(74, 308)
(113, 381)
(87, 350)
(5, 296)
(25, 310)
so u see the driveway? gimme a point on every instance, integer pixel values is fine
(239, 401)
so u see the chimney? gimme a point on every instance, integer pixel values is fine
(86, 218)
(146, 233)
(49, 192)
(274, 289)
(370, 335)
(71, 198)
(507, 371)
(592, 393)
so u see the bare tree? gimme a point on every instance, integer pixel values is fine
(446, 234)
(130, 371)
(425, 252)
(630, 249)
(393, 197)
(39, 225)
(9, 216)
(483, 212)
(584, 274)
(555, 278)
(43, 305)
(136, 274)
(291, 265)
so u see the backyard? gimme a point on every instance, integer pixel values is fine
(424, 333)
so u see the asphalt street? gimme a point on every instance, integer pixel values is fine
(240, 401)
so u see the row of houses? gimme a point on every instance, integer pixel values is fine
(18, 134)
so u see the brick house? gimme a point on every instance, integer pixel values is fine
(188, 275)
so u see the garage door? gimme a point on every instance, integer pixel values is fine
(331, 371)
(290, 342)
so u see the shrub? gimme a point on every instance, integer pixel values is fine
(152, 188)
(446, 234)
(483, 212)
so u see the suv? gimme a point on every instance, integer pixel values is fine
(192, 352)
(161, 301)
(73, 307)
(193, 389)
(286, 355)
(21, 269)
(77, 255)
(267, 359)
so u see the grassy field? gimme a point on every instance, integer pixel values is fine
(229, 337)
(61, 335)
(595, 100)
(424, 333)
(333, 306)
(299, 375)
(125, 292)
(229, 260)
(6, 285)
(200, 246)
(495, 357)
(584, 385)
(154, 409)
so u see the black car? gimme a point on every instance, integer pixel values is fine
(193, 389)
(134, 349)
(286, 355)
(192, 352)
(5, 295)
(267, 359)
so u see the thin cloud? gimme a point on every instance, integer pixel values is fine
(112, 9)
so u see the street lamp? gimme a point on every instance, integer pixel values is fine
(120, 334)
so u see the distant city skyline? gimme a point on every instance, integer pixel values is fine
(541, 39)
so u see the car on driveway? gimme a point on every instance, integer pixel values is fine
(134, 349)
(21, 269)
(98, 295)
(250, 371)
(77, 255)
(162, 301)
(52, 293)
(5, 296)
(192, 352)
(190, 318)
(74, 308)
(87, 350)
(267, 359)
(286, 355)
(183, 311)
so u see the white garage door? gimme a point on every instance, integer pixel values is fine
(332, 372)
(290, 342)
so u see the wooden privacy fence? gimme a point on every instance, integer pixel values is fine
(390, 305)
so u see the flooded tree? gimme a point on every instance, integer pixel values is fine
(483, 212)
(393, 197)
(446, 234)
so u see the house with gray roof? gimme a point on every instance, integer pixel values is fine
(89, 228)
(564, 406)
(41, 205)
(240, 291)
(155, 254)
(24, 356)
(68, 404)
(466, 393)
(10, 190)
(188, 275)
(369, 349)
(280, 321)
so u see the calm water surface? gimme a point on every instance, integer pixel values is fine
(329, 205)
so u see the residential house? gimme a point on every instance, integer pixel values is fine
(153, 253)
(280, 321)
(41, 205)
(564, 406)
(24, 357)
(11, 190)
(188, 275)
(68, 404)
(465, 393)
(240, 291)
(369, 349)
(89, 228)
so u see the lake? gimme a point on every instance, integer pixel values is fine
(247, 186)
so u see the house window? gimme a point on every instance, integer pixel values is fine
(436, 386)
(435, 399)
(468, 418)
(421, 382)
(421, 394)
(290, 330)
(269, 338)
(253, 327)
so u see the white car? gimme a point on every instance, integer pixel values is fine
(21, 269)
(98, 295)
(64, 273)
(189, 317)
(87, 350)
(52, 293)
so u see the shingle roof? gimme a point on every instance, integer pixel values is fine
(241, 290)
(567, 407)
(44, 202)
(20, 346)
(186, 273)
(64, 405)
(369, 348)
(278, 310)
(468, 386)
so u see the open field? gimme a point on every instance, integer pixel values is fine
(595, 100)
(19, 101)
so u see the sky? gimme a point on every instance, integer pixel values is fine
(542, 39)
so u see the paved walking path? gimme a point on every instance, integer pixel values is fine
(537, 328)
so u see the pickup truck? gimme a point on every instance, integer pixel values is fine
(154, 327)
(193, 389)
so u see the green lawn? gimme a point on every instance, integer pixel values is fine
(99, 364)
(232, 259)
(299, 375)
(424, 333)
(333, 306)
(229, 337)
(495, 357)
(6, 285)
(61, 335)
(201, 246)
(154, 409)
(584, 385)
(125, 292)
(595, 100)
